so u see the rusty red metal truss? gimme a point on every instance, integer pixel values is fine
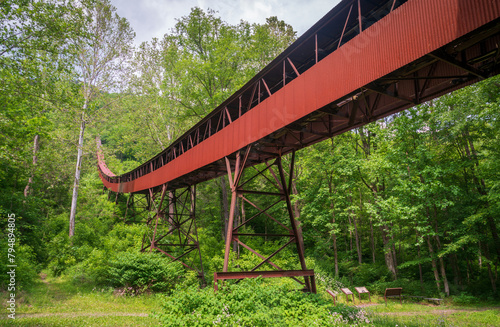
(331, 80)
(172, 227)
(364, 60)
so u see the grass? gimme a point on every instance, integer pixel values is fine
(59, 302)
(413, 314)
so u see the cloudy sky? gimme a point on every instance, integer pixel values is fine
(154, 18)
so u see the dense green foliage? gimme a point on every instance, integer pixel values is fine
(410, 201)
(253, 303)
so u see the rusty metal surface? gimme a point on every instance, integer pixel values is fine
(290, 227)
(221, 276)
(420, 50)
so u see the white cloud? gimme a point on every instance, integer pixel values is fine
(154, 18)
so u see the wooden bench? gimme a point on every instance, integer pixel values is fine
(334, 295)
(393, 292)
(362, 290)
(347, 292)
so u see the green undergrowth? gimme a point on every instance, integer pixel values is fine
(62, 302)
(258, 302)
(255, 303)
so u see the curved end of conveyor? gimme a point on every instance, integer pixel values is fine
(104, 172)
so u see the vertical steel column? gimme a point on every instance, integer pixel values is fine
(195, 232)
(293, 234)
(296, 231)
(234, 195)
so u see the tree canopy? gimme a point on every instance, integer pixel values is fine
(412, 199)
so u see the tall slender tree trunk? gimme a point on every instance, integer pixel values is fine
(394, 256)
(479, 256)
(76, 183)
(469, 270)
(358, 239)
(441, 260)
(434, 265)
(417, 236)
(27, 189)
(420, 269)
(443, 274)
(490, 272)
(334, 237)
(334, 234)
(358, 245)
(372, 241)
(350, 234)
(457, 275)
(388, 254)
(471, 152)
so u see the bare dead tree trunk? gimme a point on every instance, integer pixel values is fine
(76, 183)
(27, 189)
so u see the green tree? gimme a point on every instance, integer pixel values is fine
(100, 62)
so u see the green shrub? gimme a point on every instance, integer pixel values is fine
(26, 270)
(254, 303)
(366, 274)
(465, 298)
(140, 272)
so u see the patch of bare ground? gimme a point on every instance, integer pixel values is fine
(364, 305)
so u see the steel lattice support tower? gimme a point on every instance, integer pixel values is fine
(291, 231)
(172, 227)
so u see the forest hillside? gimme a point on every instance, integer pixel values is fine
(412, 200)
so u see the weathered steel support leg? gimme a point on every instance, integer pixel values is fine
(234, 195)
(293, 234)
(130, 204)
(195, 232)
(296, 230)
(172, 229)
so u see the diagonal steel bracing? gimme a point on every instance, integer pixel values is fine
(289, 227)
(172, 226)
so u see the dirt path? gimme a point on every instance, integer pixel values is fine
(81, 314)
(435, 312)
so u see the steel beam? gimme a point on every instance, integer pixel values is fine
(282, 193)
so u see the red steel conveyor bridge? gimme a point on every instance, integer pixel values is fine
(364, 60)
